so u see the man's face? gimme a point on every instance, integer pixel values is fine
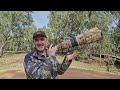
(40, 43)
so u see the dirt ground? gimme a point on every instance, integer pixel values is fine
(11, 68)
(71, 73)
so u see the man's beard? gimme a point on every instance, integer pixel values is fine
(42, 50)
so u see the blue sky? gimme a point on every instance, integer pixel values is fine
(40, 18)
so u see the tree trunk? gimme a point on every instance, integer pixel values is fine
(100, 54)
(1, 52)
(1, 49)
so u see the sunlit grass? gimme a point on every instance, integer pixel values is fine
(95, 66)
(15, 62)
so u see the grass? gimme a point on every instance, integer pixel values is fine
(15, 62)
(12, 62)
(95, 66)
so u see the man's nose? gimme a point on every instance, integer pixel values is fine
(40, 42)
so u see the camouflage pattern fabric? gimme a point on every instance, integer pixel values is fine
(41, 67)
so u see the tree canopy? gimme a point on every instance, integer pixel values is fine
(17, 28)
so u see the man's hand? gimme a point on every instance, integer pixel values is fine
(51, 51)
(73, 55)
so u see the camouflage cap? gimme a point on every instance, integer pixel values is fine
(39, 33)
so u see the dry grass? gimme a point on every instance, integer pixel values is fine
(15, 62)
(95, 67)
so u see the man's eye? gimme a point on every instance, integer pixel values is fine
(36, 39)
(42, 39)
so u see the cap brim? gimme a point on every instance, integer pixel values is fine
(39, 35)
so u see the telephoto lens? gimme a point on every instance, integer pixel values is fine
(89, 36)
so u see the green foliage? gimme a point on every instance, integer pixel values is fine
(65, 24)
(17, 28)
(12, 28)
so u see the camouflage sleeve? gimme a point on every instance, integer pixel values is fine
(64, 66)
(32, 69)
(61, 68)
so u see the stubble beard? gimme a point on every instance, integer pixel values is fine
(41, 50)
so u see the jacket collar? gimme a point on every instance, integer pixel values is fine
(37, 56)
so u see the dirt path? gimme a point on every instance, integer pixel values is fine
(71, 73)
(74, 73)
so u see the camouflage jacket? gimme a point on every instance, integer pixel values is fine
(40, 67)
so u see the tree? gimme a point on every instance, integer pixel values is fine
(12, 25)
(65, 24)
(28, 38)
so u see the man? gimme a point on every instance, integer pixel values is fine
(41, 63)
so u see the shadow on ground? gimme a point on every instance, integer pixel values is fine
(117, 65)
